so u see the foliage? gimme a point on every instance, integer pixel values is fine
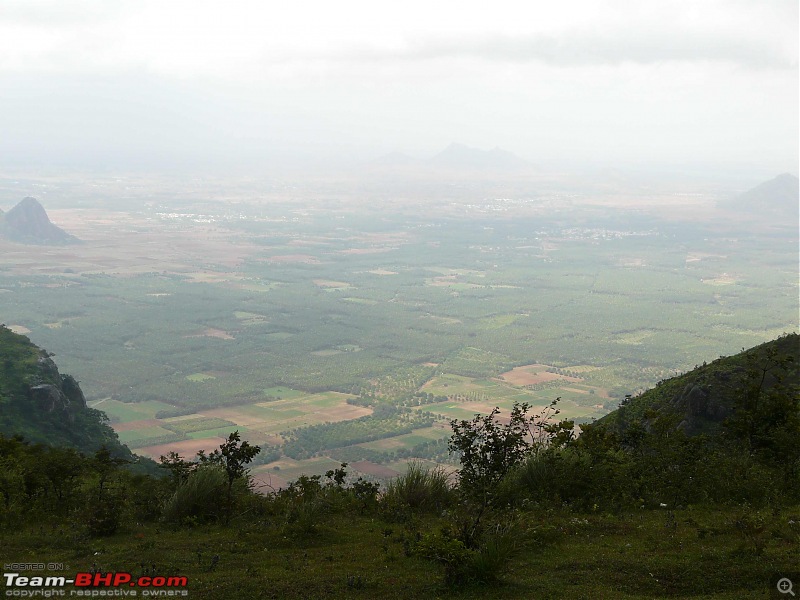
(463, 564)
(420, 489)
(197, 498)
(488, 449)
(387, 421)
(42, 405)
(307, 500)
(233, 456)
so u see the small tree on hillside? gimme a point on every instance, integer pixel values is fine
(233, 456)
(489, 449)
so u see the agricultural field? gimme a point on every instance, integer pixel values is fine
(185, 318)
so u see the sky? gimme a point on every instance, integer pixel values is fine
(140, 84)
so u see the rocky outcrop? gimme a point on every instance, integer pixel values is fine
(702, 400)
(28, 223)
(44, 406)
(63, 396)
(700, 406)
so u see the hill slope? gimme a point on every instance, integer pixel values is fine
(459, 156)
(777, 197)
(701, 400)
(44, 406)
(28, 223)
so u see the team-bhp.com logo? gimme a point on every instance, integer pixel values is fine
(94, 585)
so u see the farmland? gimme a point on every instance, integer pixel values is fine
(186, 318)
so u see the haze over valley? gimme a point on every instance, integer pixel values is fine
(400, 301)
(191, 310)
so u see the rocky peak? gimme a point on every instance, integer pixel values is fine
(28, 223)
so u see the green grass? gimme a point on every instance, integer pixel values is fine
(142, 433)
(123, 411)
(196, 424)
(409, 440)
(647, 554)
(217, 431)
(278, 335)
(282, 392)
(356, 300)
(200, 377)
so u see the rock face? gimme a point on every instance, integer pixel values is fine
(58, 395)
(700, 405)
(28, 223)
(44, 406)
(702, 400)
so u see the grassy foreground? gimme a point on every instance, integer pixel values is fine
(690, 553)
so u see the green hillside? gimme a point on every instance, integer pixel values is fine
(679, 494)
(41, 405)
(749, 401)
(711, 393)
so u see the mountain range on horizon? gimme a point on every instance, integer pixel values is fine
(457, 157)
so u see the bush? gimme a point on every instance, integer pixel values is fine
(553, 477)
(464, 565)
(420, 488)
(104, 514)
(199, 497)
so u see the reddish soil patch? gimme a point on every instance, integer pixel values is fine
(366, 250)
(136, 424)
(272, 440)
(293, 258)
(326, 283)
(443, 280)
(211, 332)
(266, 482)
(230, 414)
(532, 374)
(478, 407)
(186, 448)
(375, 470)
(218, 333)
(344, 412)
(382, 238)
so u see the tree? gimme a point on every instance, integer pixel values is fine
(177, 466)
(233, 456)
(766, 420)
(488, 449)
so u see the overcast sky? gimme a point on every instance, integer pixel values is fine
(140, 84)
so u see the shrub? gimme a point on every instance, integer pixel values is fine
(489, 449)
(103, 515)
(198, 497)
(420, 488)
(463, 565)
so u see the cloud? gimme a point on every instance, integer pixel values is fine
(57, 13)
(590, 49)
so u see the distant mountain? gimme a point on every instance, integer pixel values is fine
(395, 159)
(455, 160)
(777, 197)
(459, 156)
(28, 223)
(44, 406)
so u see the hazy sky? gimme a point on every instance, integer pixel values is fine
(139, 84)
